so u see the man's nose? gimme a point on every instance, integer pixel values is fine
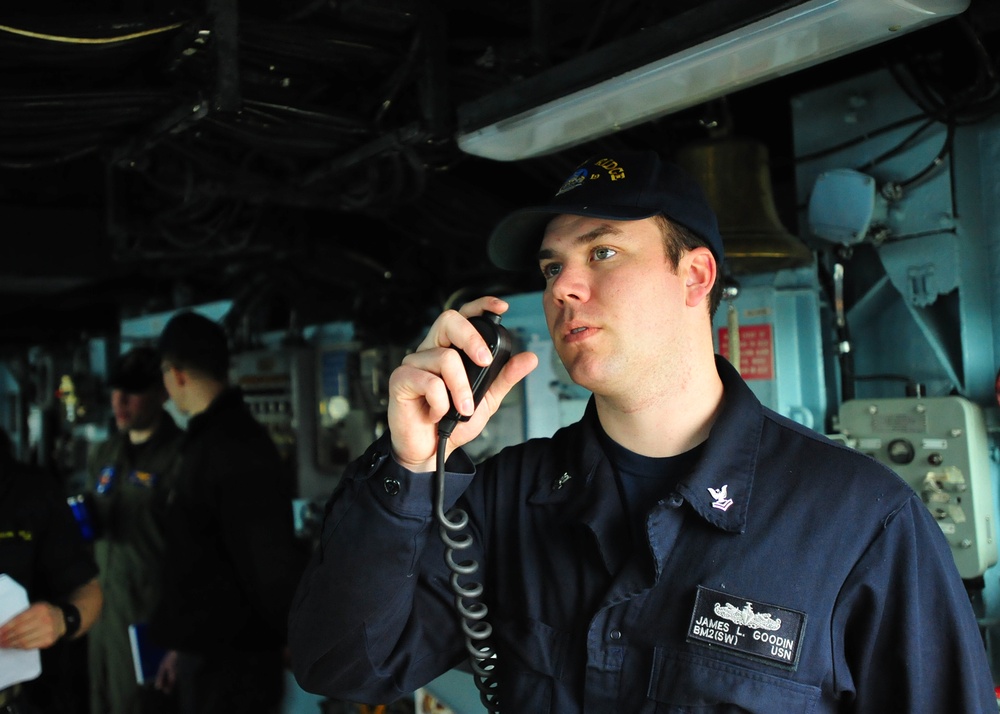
(570, 284)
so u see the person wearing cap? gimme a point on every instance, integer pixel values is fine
(232, 560)
(680, 548)
(129, 478)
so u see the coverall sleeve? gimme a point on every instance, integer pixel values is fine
(910, 641)
(373, 618)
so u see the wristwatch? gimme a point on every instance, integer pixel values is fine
(71, 616)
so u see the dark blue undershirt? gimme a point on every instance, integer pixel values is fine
(643, 481)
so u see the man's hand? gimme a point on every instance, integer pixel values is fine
(166, 675)
(419, 387)
(38, 627)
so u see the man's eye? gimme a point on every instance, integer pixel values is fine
(603, 253)
(550, 270)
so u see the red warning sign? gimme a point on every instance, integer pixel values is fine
(756, 350)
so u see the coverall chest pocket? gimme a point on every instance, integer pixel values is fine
(532, 659)
(687, 683)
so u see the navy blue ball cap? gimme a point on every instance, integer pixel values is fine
(620, 186)
(137, 371)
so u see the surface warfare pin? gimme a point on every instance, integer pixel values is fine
(752, 628)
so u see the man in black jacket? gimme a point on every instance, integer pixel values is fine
(232, 561)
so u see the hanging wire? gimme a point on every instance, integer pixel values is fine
(90, 40)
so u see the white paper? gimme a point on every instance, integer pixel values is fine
(15, 665)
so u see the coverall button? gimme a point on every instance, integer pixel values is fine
(391, 486)
(674, 500)
(615, 634)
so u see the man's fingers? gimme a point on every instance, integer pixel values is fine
(518, 367)
(412, 386)
(487, 303)
(29, 631)
(453, 329)
(434, 375)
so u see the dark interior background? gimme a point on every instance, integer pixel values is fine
(299, 157)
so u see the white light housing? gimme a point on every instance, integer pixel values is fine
(787, 41)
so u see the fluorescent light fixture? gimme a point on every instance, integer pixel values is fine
(780, 44)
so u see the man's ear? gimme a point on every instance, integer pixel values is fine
(179, 375)
(700, 274)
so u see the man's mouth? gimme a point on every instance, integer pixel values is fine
(572, 334)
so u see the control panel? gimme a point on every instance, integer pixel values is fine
(266, 380)
(939, 446)
(279, 387)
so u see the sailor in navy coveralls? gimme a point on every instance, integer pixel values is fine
(680, 549)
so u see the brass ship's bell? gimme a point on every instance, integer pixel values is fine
(735, 175)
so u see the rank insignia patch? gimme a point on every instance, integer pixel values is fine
(749, 627)
(142, 478)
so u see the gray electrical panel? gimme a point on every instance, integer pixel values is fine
(938, 445)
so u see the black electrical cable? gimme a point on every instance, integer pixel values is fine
(48, 161)
(922, 234)
(935, 163)
(953, 186)
(898, 148)
(471, 610)
(970, 105)
(860, 139)
(841, 330)
(398, 78)
(918, 94)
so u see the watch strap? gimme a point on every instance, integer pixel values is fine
(71, 616)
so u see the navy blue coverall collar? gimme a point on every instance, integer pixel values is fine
(718, 488)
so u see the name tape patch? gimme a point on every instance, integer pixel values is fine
(753, 628)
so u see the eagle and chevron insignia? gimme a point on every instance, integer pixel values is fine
(722, 500)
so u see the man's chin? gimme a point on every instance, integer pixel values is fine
(584, 378)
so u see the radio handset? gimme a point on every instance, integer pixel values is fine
(480, 378)
(471, 610)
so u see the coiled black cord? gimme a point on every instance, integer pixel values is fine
(471, 610)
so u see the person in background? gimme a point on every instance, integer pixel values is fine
(232, 561)
(42, 549)
(680, 548)
(129, 478)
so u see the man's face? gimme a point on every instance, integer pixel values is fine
(612, 302)
(136, 412)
